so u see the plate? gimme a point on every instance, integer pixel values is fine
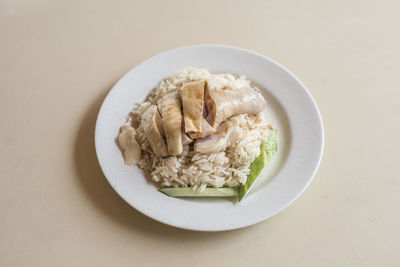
(291, 109)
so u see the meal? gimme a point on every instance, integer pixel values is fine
(200, 134)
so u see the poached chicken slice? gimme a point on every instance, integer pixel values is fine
(170, 108)
(225, 103)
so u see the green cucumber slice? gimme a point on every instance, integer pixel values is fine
(267, 149)
(208, 192)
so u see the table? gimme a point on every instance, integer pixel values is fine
(58, 60)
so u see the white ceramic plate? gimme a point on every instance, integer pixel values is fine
(291, 109)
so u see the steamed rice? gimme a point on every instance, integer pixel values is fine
(227, 168)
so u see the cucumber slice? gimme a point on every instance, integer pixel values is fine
(267, 150)
(208, 192)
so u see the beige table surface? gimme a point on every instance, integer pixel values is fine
(58, 59)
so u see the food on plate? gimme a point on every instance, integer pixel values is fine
(206, 130)
(200, 134)
(207, 192)
(153, 132)
(128, 144)
(225, 103)
(192, 95)
(267, 150)
(228, 133)
(170, 109)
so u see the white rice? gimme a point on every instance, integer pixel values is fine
(228, 168)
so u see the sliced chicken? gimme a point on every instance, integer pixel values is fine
(170, 108)
(223, 104)
(128, 144)
(192, 96)
(228, 133)
(160, 124)
(149, 124)
(206, 130)
(186, 149)
(186, 140)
